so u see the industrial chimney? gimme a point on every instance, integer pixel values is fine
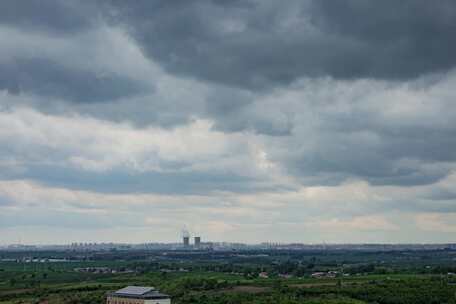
(186, 240)
(186, 237)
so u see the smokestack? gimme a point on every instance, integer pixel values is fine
(197, 241)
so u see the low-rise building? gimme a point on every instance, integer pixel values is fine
(263, 275)
(138, 295)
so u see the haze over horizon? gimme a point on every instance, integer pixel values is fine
(247, 121)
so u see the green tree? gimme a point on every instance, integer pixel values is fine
(12, 281)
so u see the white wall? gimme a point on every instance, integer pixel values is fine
(158, 301)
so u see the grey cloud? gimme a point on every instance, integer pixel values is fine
(443, 195)
(123, 181)
(4, 201)
(405, 38)
(379, 161)
(43, 77)
(382, 133)
(418, 204)
(234, 110)
(67, 219)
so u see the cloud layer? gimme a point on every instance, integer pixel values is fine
(243, 120)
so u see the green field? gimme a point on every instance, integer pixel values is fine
(215, 279)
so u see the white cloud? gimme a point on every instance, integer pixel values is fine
(343, 211)
(369, 223)
(436, 222)
(97, 145)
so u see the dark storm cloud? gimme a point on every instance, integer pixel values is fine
(262, 43)
(50, 79)
(249, 44)
(57, 17)
(36, 72)
(405, 38)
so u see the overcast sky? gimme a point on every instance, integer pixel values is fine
(251, 121)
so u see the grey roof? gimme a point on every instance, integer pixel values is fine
(138, 292)
(135, 290)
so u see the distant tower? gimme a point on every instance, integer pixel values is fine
(197, 241)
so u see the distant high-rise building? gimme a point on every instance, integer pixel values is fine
(197, 241)
(186, 241)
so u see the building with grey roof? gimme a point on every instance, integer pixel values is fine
(137, 295)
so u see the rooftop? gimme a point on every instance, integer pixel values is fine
(138, 292)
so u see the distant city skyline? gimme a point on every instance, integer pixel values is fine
(312, 121)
